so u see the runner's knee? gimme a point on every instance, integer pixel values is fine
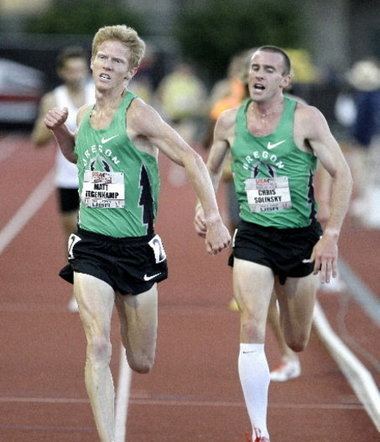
(140, 362)
(298, 342)
(252, 328)
(99, 350)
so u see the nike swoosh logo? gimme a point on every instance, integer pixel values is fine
(272, 146)
(105, 140)
(148, 278)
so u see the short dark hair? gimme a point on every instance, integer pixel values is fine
(277, 50)
(68, 53)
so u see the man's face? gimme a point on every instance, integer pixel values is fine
(74, 72)
(110, 65)
(266, 76)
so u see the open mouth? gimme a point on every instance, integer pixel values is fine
(258, 87)
(104, 77)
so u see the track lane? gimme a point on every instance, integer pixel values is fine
(205, 338)
(193, 392)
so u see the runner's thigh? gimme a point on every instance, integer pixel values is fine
(95, 300)
(296, 300)
(138, 322)
(253, 284)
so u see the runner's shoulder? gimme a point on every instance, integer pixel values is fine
(227, 119)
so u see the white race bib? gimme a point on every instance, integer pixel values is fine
(103, 190)
(268, 194)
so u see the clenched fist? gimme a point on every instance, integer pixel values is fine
(56, 117)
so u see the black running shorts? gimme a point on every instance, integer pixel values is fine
(128, 265)
(282, 250)
(68, 199)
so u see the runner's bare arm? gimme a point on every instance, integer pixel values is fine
(215, 162)
(220, 146)
(326, 148)
(323, 194)
(144, 121)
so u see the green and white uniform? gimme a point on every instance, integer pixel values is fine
(118, 187)
(118, 184)
(272, 176)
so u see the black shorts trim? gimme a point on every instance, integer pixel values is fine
(68, 199)
(282, 250)
(129, 265)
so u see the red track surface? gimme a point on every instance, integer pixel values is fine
(193, 392)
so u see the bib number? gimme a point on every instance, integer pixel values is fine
(268, 194)
(103, 190)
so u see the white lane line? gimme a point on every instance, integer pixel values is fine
(182, 403)
(122, 397)
(360, 292)
(31, 205)
(222, 404)
(43, 400)
(355, 372)
(47, 428)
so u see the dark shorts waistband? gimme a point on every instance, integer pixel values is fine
(124, 240)
(314, 225)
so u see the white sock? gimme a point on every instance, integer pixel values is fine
(254, 379)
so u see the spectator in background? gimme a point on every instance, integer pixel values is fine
(365, 155)
(182, 96)
(142, 83)
(75, 91)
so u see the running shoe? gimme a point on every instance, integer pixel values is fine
(289, 369)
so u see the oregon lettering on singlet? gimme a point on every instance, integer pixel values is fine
(118, 183)
(273, 177)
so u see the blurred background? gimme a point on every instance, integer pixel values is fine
(192, 70)
(192, 47)
(326, 37)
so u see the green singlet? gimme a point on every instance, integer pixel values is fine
(118, 184)
(273, 177)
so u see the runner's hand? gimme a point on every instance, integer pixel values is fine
(325, 257)
(217, 236)
(200, 222)
(56, 117)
